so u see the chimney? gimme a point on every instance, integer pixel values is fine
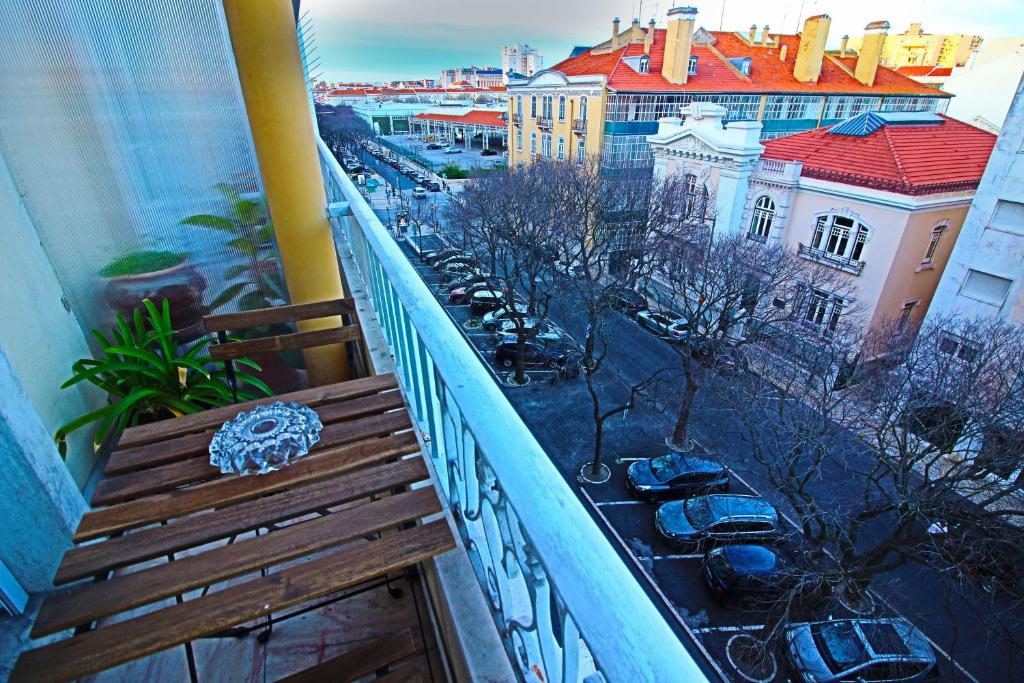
(870, 52)
(782, 53)
(843, 44)
(678, 41)
(615, 33)
(915, 30)
(752, 33)
(649, 38)
(765, 39)
(812, 48)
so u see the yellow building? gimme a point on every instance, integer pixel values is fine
(914, 47)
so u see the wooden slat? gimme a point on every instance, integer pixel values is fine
(226, 490)
(94, 601)
(195, 530)
(215, 417)
(165, 477)
(144, 635)
(362, 661)
(286, 342)
(407, 674)
(278, 314)
(183, 447)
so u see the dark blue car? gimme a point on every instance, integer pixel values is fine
(676, 475)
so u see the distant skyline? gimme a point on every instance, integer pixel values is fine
(375, 40)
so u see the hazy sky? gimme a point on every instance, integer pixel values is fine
(371, 40)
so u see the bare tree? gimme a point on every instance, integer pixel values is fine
(903, 462)
(343, 128)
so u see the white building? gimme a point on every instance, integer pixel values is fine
(521, 59)
(984, 86)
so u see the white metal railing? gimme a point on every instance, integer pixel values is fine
(564, 603)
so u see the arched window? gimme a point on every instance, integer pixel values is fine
(583, 108)
(691, 193)
(533, 107)
(561, 108)
(764, 215)
(546, 106)
(519, 105)
(840, 237)
(645, 65)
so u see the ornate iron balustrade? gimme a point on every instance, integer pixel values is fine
(579, 126)
(544, 122)
(517, 119)
(843, 263)
(563, 602)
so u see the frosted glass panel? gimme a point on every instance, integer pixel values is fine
(118, 119)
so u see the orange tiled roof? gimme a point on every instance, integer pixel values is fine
(480, 118)
(924, 70)
(904, 158)
(714, 74)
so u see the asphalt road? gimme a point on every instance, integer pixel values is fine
(560, 416)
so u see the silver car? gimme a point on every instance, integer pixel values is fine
(664, 323)
(537, 329)
(494, 318)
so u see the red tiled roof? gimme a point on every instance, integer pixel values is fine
(480, 118)
(715, 74)
(924, 70)
(904, 158)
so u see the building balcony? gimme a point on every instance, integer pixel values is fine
(843, 263)
(579, 126)
(544, 122)
(517, 119)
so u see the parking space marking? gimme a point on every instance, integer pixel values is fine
(621, 502)
(728, 629)
(657, 589)
(690, 556)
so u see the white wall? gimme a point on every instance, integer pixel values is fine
(985, 85)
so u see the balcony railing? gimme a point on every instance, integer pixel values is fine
(544, 122)
(563, 602)
(843, 263)
(579, 126)
(517, 119)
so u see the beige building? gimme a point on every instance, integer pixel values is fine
(880, 197)
(914, 47)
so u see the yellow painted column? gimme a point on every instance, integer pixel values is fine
(263, 38)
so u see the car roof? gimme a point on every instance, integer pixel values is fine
(887, 639)
(691, 462)
(734, 505)
(751, 559)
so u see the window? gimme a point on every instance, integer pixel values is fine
(692, 66)
(840, 237)
(645, 65)
(764, 214)
(546, 106)
(937, 231)
(561, 148)
(691, 193)
(905, 313)
(1009, 216)
(533, 143)
(561, 108)
(581, 151)
(818, 308)
(985, 287)
(958, 347)
(533, 107)
(583, 108)
(519, 140)
(519, 105)
(545, 143)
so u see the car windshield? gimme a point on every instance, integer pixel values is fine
(665, 467)
(699, 512)
(839, 645)
(722, 566)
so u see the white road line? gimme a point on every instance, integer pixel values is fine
(727, 629)
(620, 502)
(678, 557)
(629, 459)
(671, 608)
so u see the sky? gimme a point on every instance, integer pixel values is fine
(375, 40)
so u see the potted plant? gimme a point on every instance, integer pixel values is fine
(158, 276)
(148, 376)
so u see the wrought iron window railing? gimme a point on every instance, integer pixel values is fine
(844, 263)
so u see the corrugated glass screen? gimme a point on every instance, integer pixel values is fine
(119, 120)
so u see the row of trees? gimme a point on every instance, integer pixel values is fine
(902, 430)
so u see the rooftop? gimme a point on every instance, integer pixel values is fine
(918, 71)
(716, 74)
(915, 155)
(477, 117)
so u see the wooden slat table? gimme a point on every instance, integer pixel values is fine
(160, 496)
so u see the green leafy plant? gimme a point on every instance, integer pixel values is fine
(251, 235)
(148, 376)
(453, 172)
(141, 262)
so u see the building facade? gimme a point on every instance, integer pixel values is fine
(471, 76)
(787, 82)
(866, 197)
(914, 47)
(984, 87)
(520, 59)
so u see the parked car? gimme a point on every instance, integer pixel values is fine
(629, 301)
(462, 295)
(500, 313)
(435, 145)
(731, 362)
(485, 302)
(718, 518)
(747, 572)
(452, 150)
(441, 254)
(432, 186)
(537, 329)
(569, 269)
(489, 152)
(534, 354)
(419, 193)
(452, 260)
(664, 323)
(455, 271)
(877, 650)
(470, 279)
(676, 475)
(395, 164)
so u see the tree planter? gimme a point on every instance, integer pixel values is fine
(181, 285)
(750, 660)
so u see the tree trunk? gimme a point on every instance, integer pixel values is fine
(595, 468)
(679, 433)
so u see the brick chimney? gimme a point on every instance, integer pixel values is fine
(752, 34)
(871, 52)
(649, 38)
(765, 38)
(678, 41)
(615, 33)
(812, 48)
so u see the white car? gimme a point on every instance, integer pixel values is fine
(492, 319)
(664, 323)
(419, 193)
(453, 150)
(536, 328)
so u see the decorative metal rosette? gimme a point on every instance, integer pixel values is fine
(265, 438)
